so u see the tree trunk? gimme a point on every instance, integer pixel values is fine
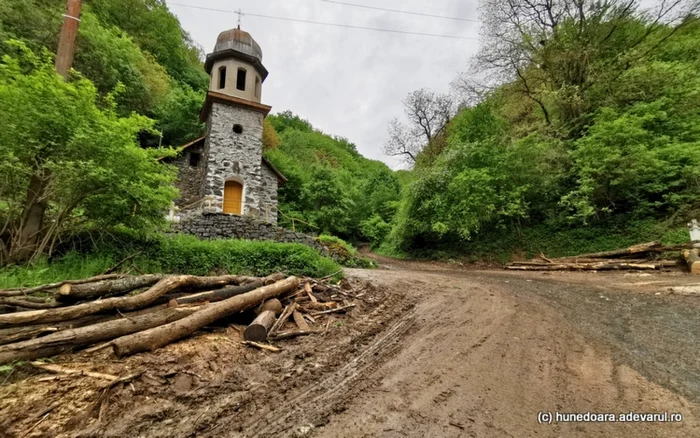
(274, 305)
(216, 295)
(76, 292)
(258, 329)
(17, 334)
(602, 266)
(593, 260)
(589, 261)
(25, 242)
(157, 337)
(299, 320)
(66, 340)
(29, 303)
(692, 258)
(16, 292)
(635, 249)
(250, 283)
(121, 303)
(273, 278)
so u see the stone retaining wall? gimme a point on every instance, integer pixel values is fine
(226, 226)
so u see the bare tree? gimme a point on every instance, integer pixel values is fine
(428, 114)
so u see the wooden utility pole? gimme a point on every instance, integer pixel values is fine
(66, 45)
(35, 206)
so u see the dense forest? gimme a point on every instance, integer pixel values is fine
(579, 126)
(576, 126)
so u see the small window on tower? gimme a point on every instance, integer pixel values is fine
(222, 78)
(240, 80)
(257, 87)
(238, 129)
(194, 159)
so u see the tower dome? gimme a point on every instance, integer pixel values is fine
(239, 41)
(235, 66)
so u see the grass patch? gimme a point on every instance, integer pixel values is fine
(189, 255)
(71, 266)
(180, 254)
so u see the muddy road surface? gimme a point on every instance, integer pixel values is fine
(487, 351)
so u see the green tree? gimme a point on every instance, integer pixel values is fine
(109, 57)
(288, 120)
(157, 31)
(62, 152)
(178, 115)
(137, 43)
(271, 140)
(36, 23)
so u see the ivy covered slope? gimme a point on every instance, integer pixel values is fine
(571, 154)
(331, 188)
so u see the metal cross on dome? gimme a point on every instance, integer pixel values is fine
(240, 16)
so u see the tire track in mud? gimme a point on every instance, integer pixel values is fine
(318, 400)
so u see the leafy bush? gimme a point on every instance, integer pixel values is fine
(187, 254)
(375, 229)
(553, 240)
(344, 253)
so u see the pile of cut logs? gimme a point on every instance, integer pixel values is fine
(643, 256)
(133, 314)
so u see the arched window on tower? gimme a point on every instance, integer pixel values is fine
(257, 87)
(222, 78)
(240, 80)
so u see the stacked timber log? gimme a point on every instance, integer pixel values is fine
(644, 256)
(133, 314)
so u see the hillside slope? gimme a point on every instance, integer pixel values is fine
(331, 187)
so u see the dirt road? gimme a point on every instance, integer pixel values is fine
(487, 351)
(428, 351)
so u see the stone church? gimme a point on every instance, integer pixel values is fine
(225, 171)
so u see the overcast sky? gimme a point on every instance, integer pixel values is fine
(347, 82)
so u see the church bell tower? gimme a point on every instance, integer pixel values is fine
(238, 179)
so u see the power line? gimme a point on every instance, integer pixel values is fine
(401, 12)
(347, 26)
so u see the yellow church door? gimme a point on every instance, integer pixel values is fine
(233, 196)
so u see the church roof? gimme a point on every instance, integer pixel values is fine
(281, 178)
(213, 96)
(236, 43)
(240, 41)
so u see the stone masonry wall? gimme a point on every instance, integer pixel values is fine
(225, 226)
(190, 178)
(268, 196)
(231, 155)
